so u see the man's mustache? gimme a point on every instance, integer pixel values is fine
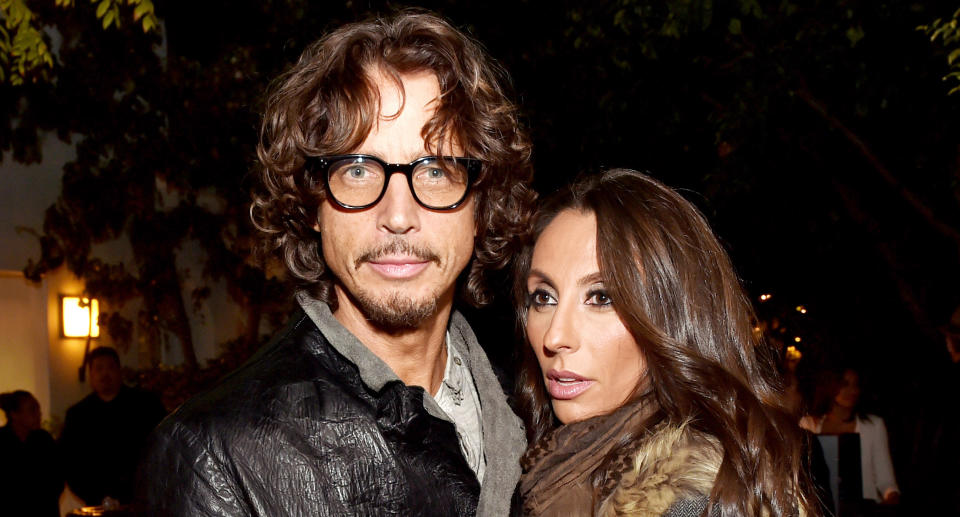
(397, 247)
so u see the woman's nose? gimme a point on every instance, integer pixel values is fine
(562, 335)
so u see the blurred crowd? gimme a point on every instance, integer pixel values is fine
(96, 454)
(908, 459)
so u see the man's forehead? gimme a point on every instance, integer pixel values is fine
(393, 97)
(403, 110)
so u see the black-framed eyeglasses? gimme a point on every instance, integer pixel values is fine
(358, 181)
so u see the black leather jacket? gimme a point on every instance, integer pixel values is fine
(297, 432)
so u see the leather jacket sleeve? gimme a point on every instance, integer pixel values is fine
(181, 477)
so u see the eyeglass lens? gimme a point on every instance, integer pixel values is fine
(359, 181)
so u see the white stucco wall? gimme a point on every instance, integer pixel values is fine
(23, 350)
(32, 354)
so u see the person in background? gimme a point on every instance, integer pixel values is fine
(31, 479)
(104, 434)
(643, 385)
(935, 484)
(945, 439)
(840, 412)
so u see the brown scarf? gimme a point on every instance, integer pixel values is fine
(557, 471)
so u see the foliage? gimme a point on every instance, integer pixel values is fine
(176, 383)
(814, 135)
(24, 52)
(163, 142)
(948, 32)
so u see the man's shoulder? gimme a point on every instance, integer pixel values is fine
(136, 396)
(272, 384)
(83, 406)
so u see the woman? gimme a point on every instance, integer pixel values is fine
(645, 389)
(839, 412)
(30, 477)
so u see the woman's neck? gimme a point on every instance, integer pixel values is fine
(840, 413)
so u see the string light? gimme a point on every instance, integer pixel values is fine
(801, 309)
(766, 296)
(797, 339)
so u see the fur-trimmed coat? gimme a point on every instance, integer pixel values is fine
(673, 474)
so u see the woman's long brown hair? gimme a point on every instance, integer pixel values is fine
(674, 288)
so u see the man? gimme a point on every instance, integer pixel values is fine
(104, 434)
(377, 399)
(936, 454)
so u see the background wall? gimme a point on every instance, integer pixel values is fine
(33, 356)
(23, 350)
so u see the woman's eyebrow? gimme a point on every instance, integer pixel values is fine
(543, 277)
(592, 278)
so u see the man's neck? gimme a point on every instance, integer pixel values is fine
(418, 356)
(108, 397)
(20, 432)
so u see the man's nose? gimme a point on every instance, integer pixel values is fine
(399, 212)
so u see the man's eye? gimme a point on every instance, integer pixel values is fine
(357, 172)
(432, 175)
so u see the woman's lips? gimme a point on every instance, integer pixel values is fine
(564, 385)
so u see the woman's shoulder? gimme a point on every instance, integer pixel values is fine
(673, 463)
(870, 421)
(812, 423)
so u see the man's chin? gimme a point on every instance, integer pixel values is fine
(396, 313)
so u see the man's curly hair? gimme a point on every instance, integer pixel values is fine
(327, 103)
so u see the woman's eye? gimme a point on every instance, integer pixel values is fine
(598, 297)
(540, 298)
(435, 173)
(357, 172)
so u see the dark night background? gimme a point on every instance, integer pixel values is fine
(817, 137)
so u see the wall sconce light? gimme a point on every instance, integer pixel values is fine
(78, 317)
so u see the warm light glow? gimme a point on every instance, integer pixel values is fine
(765, 297)
(801, 309)
(797, 339)
(793, 353)
(76, 316)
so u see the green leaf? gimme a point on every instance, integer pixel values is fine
(734, 27)
(953, 56)
(102, 9)
(855, 34)
(108, 18)
(140, 10)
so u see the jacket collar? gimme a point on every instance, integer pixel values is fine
(503, 435)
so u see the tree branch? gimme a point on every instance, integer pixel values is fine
(911, 198)
(890, 257)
